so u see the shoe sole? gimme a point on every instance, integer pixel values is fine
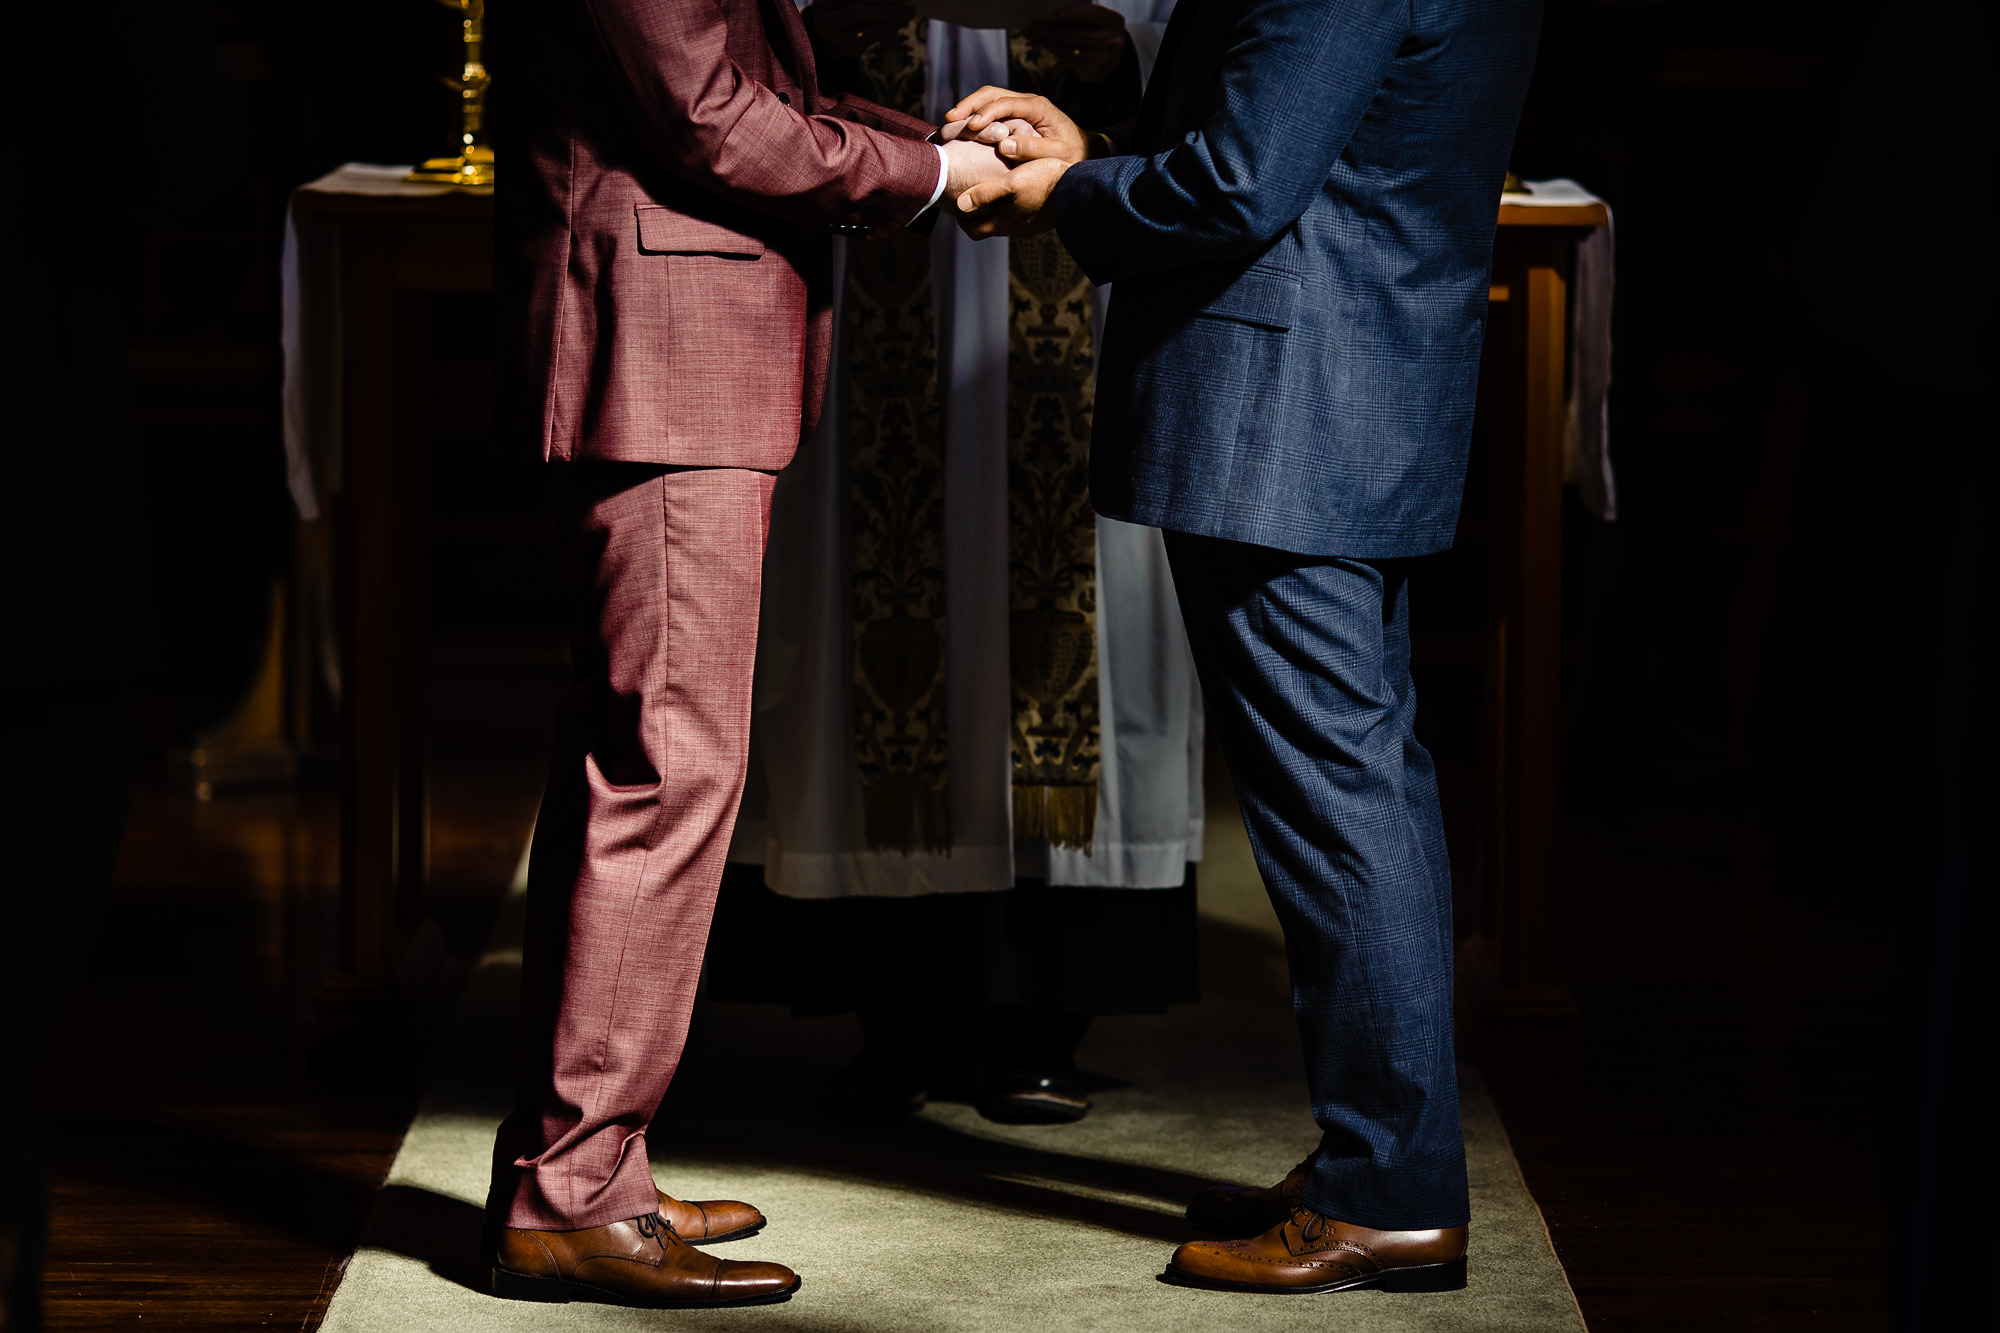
(1032, 1110)
(513, 1286)
(1415, 1279)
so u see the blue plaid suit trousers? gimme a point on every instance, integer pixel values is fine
(1305, 661)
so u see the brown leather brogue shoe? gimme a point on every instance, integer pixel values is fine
(1249, 1210)
(639, 1262)
(709, 1221)
(1308, 1253)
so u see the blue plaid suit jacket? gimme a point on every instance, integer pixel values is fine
(1302, 244)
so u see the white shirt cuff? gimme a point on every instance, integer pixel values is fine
(944, 174)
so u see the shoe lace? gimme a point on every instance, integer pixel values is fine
(655, 1226)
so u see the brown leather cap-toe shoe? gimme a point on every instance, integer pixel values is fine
(1308, 1253)
(640, 1262)
(1249, 1210)
(711, 1220)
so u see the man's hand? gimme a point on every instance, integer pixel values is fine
(1087, 39)
(969, 163)
(989, 112)
(849, 27)
(1014, 205)
(994, 134)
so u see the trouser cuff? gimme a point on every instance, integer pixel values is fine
(1358, 1191)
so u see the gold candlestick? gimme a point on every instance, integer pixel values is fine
(473, 167)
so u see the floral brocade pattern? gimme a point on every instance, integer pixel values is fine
(896, 507)
(896, 503)
(1052, 531)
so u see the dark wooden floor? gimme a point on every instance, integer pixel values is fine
(1708, 1144)
(1705, 1144)
(202, 1180)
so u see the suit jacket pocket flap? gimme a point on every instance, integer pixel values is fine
(1262, 296)
(662, 231)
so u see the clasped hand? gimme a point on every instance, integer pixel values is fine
(1014, 147)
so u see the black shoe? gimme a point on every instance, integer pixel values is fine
(1034, 1097)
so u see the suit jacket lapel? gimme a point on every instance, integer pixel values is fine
(1190, 50)
(793, 49)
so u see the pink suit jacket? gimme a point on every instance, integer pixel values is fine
(674, 180)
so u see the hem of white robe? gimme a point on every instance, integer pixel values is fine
(1135, 866)
(1120, 865)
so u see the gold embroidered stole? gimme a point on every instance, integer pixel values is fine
(896, 508)
(896, 502)
(1052, 531)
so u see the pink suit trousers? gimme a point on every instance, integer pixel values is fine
(649, 765)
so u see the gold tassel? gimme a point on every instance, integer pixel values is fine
(1064, 816)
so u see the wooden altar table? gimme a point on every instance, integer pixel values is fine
(389, 254)
(1507, 966)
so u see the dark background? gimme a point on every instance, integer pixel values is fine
(1776, 871)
